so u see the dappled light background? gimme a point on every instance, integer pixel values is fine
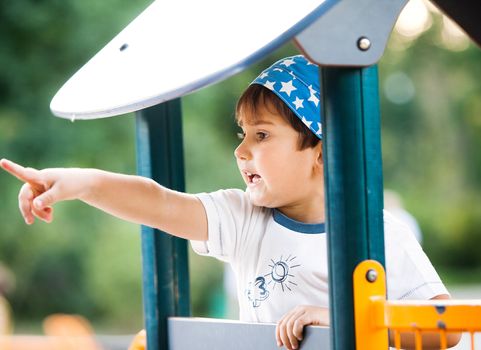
(88, 263)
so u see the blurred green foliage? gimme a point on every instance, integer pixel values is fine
(85, 262)
(432, 146)
(89, 263)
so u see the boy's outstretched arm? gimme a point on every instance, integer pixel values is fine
(133, 198)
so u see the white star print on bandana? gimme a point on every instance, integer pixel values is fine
(295, 81)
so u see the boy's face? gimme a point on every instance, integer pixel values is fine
(277, 173)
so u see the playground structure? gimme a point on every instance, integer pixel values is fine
(374, 315)
(353, 171)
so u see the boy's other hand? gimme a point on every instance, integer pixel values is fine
(289, 330)
(42, 189)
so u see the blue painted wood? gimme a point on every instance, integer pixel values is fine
(353, 186)
(212, 334)
(164, 258)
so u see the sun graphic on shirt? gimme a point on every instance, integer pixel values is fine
(281, 273)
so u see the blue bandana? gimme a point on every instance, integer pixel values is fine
(295, 80)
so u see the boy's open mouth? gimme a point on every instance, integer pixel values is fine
(252, 178)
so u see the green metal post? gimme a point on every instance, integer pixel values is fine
(164, 258)
(353, 186)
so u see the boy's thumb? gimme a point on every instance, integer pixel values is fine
(45, 200)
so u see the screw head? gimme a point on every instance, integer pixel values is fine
(371, 275)
(363, 43)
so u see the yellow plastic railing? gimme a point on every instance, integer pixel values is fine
(375, 316)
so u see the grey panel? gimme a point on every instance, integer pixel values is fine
(212, 334)
(352, 33)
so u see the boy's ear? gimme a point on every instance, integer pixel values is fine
(319, 153)
(320, 161)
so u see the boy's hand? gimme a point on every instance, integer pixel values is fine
(289, 328)
(42, 189)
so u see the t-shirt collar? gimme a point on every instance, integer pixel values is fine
(297, 226)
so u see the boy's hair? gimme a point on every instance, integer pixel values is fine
(256, 97)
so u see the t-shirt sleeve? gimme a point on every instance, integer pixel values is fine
(410, 274)
(228, 212)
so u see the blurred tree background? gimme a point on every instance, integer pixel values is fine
(88, 263)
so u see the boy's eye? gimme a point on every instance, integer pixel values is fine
(241, 135)
(260, 135)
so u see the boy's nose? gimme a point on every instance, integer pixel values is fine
(241, 151)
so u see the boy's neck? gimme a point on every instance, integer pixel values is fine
(310, 209)
(310, 213)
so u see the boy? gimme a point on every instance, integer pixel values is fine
(273, 233)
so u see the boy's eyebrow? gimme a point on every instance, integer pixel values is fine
(257, 122)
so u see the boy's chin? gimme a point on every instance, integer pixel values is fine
(258, 200)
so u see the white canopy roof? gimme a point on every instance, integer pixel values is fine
(176, 47)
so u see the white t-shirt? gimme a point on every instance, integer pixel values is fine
(280, 263)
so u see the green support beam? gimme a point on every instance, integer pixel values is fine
(353, 186)
(164, 258)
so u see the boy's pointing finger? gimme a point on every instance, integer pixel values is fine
(20, 172)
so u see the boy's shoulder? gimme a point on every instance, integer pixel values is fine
(397, 233)
(392, 222)
(233, 199)
(228, 195)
